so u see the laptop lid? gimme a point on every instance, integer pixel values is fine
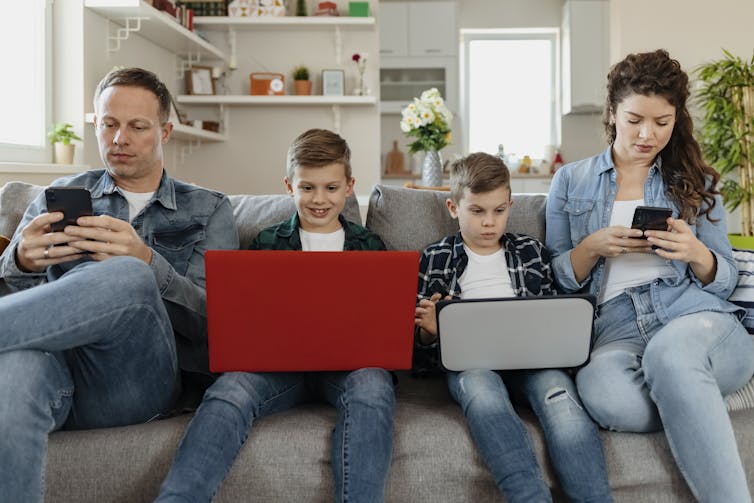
(308, 311)
(515, 333)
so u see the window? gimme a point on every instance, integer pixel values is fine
(509, 92)
(24, 92)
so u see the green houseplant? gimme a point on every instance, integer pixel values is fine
(726, 97)
(61, 136)
(301, 81)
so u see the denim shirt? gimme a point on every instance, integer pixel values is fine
(179, 224)
(580, 203)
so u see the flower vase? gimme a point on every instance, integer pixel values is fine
(432, 169)
(362, 89)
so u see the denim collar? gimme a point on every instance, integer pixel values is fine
(607, 163)
(165, 193)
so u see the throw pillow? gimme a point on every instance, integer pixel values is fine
(743, 296)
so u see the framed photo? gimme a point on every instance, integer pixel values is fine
(333, 82)
(199, 80)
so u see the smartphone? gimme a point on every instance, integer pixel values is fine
(651, 218)
(74, 202)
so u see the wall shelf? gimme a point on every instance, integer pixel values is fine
(184, 132)
(244, 100)
(215, 23)
(136, 16)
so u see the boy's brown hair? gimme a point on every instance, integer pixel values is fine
(478, 172)
(316, 148)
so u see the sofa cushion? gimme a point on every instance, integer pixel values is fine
(14, 198)
(424, 217)
(254, 213)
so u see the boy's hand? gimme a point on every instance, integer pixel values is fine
(426, 318)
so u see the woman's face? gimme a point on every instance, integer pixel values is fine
(643, 126)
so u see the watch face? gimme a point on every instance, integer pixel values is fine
(276, 85)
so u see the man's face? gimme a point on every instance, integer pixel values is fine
(482, 218)
(130, 136)
(320, 195)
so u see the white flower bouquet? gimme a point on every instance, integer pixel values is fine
(428, 119)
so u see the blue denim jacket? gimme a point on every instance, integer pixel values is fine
(180, 223)
(580, 202)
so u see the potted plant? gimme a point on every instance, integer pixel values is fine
(301, 81)
(727, 134)
(61, 136)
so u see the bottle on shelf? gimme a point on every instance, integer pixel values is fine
(557, 162)
(501, 152)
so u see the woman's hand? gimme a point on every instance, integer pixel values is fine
(680, 243)
(607, 242)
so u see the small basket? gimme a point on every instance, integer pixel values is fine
(267, 84)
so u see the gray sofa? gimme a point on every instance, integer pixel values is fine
(287, 455)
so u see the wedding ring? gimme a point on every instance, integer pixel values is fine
(47, 253)
(623, 250)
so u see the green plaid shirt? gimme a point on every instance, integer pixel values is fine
(285, 236)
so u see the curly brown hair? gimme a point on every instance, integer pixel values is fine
(689, 181)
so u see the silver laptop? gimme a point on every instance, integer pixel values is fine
(515, 333)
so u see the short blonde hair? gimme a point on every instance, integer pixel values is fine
(478, 172)
(316, 148)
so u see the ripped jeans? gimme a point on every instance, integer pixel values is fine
(572, 437)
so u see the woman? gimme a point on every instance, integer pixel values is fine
(668, 345)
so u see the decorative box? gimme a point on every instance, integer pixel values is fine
(358, 9)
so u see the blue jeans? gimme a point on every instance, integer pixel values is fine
(92, 349)
(362, 440)
(572, 437)
(643, 376)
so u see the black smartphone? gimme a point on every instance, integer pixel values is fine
(74, 202)
(652, 218)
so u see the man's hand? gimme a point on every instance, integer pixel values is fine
(105, 237)
(426, 319)
(36, 249)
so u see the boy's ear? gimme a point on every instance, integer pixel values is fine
(349, 190)
(452, 208)
(288, 185)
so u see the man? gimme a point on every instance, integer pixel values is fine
(105, 315)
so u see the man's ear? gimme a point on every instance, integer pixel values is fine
(452, 208)
(288, 185)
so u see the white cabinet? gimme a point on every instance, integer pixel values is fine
(585, 55)
(393, 29)
(530, 185)
(418, 29)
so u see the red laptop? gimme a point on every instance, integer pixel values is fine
(275, 311)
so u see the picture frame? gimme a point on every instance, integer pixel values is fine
(333, 82)
(199, 80)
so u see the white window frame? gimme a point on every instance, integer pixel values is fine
(549, 34)
(36, 153)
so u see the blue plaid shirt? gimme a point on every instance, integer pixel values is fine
(443, 263)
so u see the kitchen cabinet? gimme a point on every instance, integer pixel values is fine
(418, 29)
(531, 184)
(585, 57)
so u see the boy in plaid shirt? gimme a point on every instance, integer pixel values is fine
(483, 261)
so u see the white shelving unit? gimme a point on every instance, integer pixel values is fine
(190, 133)
(244, 100)
(136, 16)
(217, 23)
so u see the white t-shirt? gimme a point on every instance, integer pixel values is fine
(317, 241)
(486, 276)
(631, 269)
(137, 201)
